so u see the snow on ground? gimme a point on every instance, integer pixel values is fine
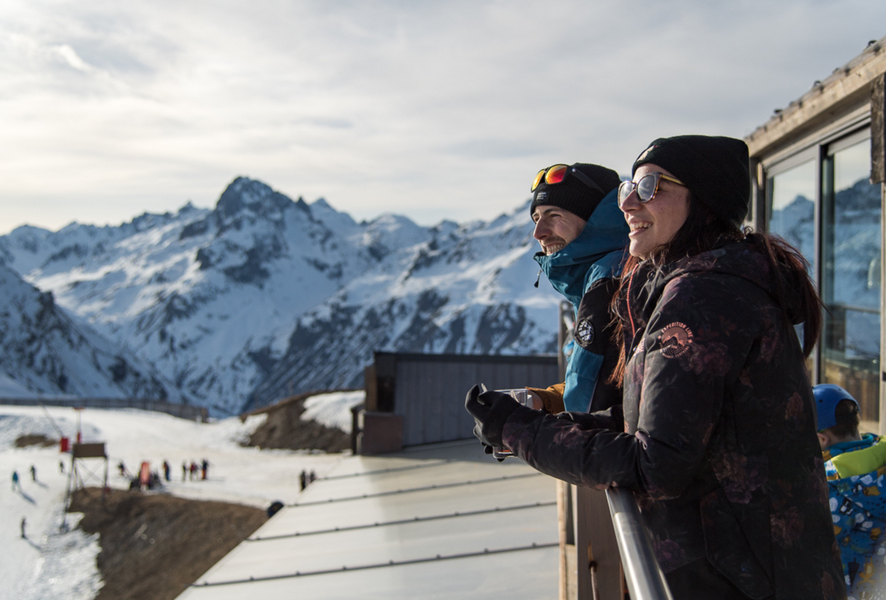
(334, 409)
(55, 562)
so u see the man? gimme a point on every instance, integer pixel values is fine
(854, 464)
(582, 234)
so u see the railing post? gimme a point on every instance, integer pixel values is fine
(566, 524)
(597, 557)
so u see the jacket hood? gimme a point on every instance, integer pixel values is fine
(596, 252)
(737, 259)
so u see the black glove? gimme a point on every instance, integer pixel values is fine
(490, 410)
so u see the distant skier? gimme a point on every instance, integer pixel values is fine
(33, 473)
(15, 482)
(23, 528)
(61, 467)
(122, 468)
(303, 479)
(193, 469)
(204, 467)
(184, 470)
(166, 469)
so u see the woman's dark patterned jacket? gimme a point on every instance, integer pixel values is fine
(718, 440)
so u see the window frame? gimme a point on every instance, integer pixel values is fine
(818, 147)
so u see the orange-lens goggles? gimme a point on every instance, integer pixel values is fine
(557, 173)
(551, 175)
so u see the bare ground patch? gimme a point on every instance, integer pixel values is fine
(284, 428)
(153, 546)
(24, 441)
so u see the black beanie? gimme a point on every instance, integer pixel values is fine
(715, 169)
(573, 194)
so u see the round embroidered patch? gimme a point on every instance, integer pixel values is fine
(675, 340)
(584, 332)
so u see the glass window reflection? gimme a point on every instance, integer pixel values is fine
(850, 285)
(791, 200)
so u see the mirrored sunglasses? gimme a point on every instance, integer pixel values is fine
(646, 187)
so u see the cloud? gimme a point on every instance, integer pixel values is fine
(433, 110)
(69, 56)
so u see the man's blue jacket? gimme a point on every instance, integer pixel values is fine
(586, 273)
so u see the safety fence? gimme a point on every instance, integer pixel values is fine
(184, 411)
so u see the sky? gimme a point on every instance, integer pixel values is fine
(432, 110)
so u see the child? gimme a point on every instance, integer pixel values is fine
(846, 451)
(854, 464)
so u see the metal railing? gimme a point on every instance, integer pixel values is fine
(643, 575)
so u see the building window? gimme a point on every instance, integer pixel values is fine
(829, 185)
(850, 275)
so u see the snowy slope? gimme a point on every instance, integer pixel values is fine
(45, 352)
(264, 297)
(467, 290)
(55, 563)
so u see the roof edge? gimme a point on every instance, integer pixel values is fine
(846, 88)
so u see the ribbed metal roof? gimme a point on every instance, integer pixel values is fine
(441, 521)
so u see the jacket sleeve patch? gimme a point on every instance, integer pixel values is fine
(675, 340)
(584, 332)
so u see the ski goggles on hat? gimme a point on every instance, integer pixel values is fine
(646, 188)
(557, 173)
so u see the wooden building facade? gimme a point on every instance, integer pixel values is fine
(818, 174)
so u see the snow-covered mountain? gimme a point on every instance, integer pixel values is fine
(263, 297)
(43, 351)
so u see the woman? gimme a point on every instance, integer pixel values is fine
(718, 439)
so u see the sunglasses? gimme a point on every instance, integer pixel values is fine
(646, 188)
(557, 173)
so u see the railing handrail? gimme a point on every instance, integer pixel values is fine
(643, 575)
(855, 308)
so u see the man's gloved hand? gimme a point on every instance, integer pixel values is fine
(490, 410)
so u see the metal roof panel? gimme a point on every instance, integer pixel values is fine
(441, 521)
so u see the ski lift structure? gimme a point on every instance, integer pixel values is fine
(87, 460)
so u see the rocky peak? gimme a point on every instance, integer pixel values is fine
(244, 194)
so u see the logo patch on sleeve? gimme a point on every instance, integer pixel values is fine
(584, 332)
(675, 340)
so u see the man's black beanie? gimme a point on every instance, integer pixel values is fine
(573, 194)
(715, 169)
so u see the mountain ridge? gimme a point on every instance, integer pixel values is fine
(264, 297)
(43, 351)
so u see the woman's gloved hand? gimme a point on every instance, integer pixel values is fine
(490, 410)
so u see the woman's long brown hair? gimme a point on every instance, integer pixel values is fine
(702, 232)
